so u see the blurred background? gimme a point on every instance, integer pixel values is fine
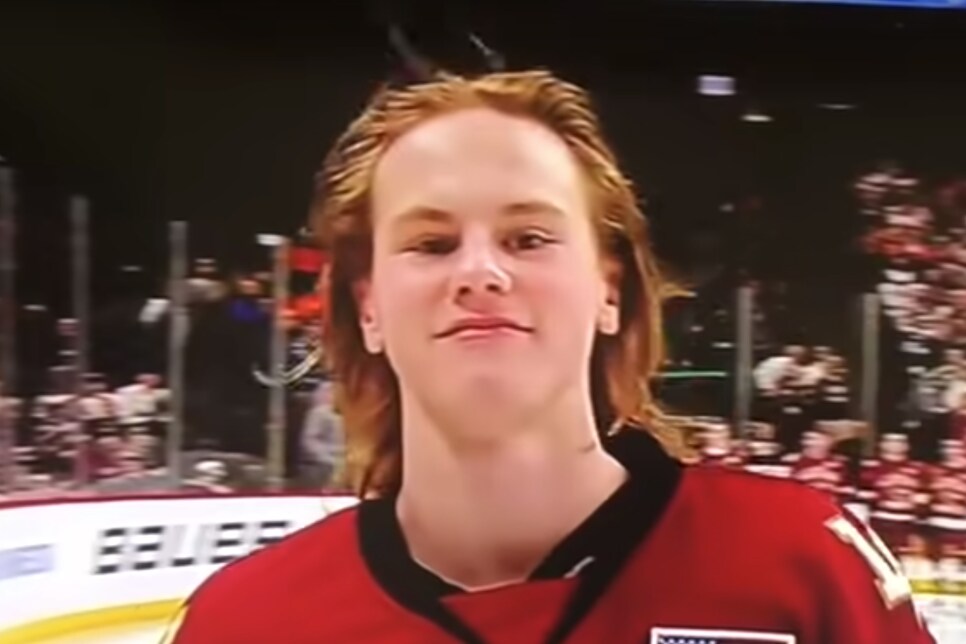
(803, 166)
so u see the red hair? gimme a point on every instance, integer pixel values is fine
(621, 365)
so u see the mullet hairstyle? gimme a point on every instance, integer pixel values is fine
(622, 365)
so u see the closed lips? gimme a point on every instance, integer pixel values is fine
(483, 324)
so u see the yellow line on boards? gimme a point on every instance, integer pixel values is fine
(113, 617)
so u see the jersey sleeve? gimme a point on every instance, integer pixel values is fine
(864, 595)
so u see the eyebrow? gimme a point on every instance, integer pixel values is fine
(517, 208)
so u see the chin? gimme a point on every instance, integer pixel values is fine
(495, 395)
(485, 388)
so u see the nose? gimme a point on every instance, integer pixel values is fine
(479, 270)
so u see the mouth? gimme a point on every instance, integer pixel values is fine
(484, 329)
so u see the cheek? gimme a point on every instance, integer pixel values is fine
(567, 300)
(404, 297)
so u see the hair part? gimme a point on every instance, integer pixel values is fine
(621, 366)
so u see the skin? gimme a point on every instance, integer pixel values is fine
(476, 214)
(892, 449)
(815, 445)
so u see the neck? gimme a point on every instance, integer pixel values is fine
(486, 513)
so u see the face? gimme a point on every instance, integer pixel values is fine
(716, 438)
(894, 448)
(486, 289)
(764, 432)
(917, 546)
(251, 287)
(815, 444)
(953, 452)
(149, 380)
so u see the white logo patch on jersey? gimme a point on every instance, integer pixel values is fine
(716, 636)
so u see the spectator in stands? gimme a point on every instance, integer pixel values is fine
(106, 455)
(204, 286)
(209, 478)
(761, 452)
(817, 466)
(772, 371)
(787, 390)
(141, 403)
(769, 376)
(95, 403)
(874, 189)
(957, 421)
(833, 390)
(717, 446)
(939, 393)
(322, 441)
(245, 305)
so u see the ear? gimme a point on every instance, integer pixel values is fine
(609, 316)
(368, 323)
(609, 312)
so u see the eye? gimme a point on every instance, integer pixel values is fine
(433, 245)
(529, 240)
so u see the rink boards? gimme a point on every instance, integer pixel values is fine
(76, 566)
(107, 568)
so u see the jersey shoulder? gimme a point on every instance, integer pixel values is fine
(249, 599)
(315, 551)
(757, 498)
(830, 547)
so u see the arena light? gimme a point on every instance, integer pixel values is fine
(755, 116)
(837, 107)
(270, 240)
(712, 85)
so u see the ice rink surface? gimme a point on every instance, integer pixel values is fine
(141, 635)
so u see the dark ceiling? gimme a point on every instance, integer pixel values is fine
(218, 112)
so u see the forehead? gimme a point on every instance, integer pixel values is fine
(478, 157)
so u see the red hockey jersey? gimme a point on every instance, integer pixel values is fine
(894, 489)
(947, 491)
(677, 554)
(947, 507)
(829, 474)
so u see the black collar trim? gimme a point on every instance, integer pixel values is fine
(595, 550)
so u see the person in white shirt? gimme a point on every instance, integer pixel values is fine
(140, 402)
(770, 372)
(322, 441)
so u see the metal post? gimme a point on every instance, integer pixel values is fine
(275, 426)
(8, 343)
(870, 369)
(177, 337)
(80, 283)
(744, 356)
